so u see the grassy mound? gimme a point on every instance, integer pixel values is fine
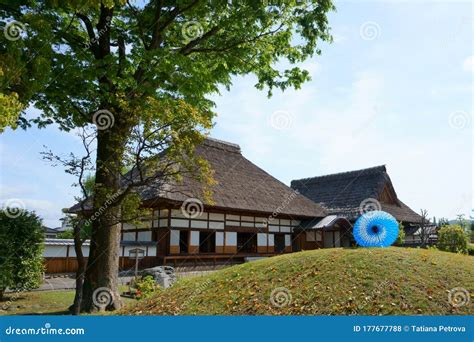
(363, 281)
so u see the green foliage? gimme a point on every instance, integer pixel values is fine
(452, 238)
(470, 249)
(67, 234)
(21, 246)
(401, 234)
(145, 287)
(72, 58)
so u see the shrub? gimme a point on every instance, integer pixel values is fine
(21, 247)
(470, 249)
(401, 235)
(452, 238)
(145, 287)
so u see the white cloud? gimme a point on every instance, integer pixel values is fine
(468, 64)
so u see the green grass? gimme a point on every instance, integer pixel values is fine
(389, 281)
(42, 302)
(37, 303)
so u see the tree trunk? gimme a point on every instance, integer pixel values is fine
(100, 289)
(81, 269)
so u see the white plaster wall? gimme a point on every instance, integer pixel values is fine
(216, 225)
(261, 239)
(194, 238)
(198, 224)
(219, 239)
(129, 236)
(144, 236)
(231, 239)
(85, 251)
(151, 251)
(54, 251)
(174, 237)
(287, 240)
(178, 223)
(271, 239)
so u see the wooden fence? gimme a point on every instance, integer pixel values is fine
(69, 264)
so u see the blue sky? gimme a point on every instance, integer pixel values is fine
(395, 88)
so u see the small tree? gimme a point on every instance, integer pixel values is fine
(21, 247)
(401, 234)
(425, 228)
(452, 238)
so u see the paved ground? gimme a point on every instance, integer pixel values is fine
(67, 281)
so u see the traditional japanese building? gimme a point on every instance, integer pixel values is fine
(252, 213)
(349, 194)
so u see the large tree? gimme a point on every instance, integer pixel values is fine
(125, 64)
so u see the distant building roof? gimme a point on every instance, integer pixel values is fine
(343, 193)
(70, 242)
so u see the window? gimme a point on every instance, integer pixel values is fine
(207, 242)
(279, 243)
(183, 241)
(246, 243)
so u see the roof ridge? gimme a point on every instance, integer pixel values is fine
(368, 170)
(217, 143)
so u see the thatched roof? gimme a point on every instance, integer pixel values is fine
(343, 193)
(240, 186)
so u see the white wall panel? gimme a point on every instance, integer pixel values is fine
(144, 236)
(287, 240)
(174, 237)
(194, 238)
(271, 240)
(285, 229)
(129, 236)
(216, 216)
(274, 229)
(152, 251)
(219, 239)
(54, 251)
(198, 224)
(231, 239)
(179, 223)
(216, 225)
(85, 251)
(261, 239)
